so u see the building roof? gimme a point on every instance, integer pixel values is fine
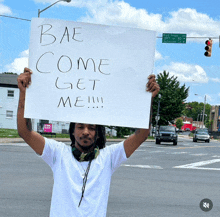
(8, 80)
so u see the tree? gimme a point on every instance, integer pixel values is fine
(209, 124)
(122, 131)
(179, 123)
(172, 99)
(195, 110)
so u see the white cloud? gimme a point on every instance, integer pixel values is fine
(158, 56)
(215, 80)
(192, 22)
(121, 13)
(19, 63)
(110, 12)
(182, 21)
(186, 72)
(4, 9)
(209, 98)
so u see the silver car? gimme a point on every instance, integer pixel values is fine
(201, 135)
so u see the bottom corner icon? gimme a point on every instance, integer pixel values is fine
(206, 205)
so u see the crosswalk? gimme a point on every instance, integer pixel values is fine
(186, 149)
(196, 153)
(197, 165)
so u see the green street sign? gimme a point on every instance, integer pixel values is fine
(174, 38)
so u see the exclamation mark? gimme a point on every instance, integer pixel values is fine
(102, 101)
(88, 100)
(99, 100)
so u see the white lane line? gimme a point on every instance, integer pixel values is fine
(201, 154)
(14, 144)
(177, 152)
(198, 165)
(156, 151)
(143, 166)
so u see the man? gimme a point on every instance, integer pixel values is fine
(82, 172)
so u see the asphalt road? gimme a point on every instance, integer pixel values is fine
(157, 180)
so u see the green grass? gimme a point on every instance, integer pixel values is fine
(8, 133)
(61, 135)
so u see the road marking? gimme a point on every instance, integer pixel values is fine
(156, 151)
(199, 147)
(182, 152)
(198, 165)
(14, 144)
(140, 150)
(143, 166)
(199, 154)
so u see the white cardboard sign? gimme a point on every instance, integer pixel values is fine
(89, 73)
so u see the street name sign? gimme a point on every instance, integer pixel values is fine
(174, 38)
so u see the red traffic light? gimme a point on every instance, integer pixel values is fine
(208, 48)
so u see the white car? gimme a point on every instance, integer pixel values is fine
(201, 135)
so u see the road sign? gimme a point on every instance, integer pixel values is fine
(174, 38)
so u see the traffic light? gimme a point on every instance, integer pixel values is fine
(208, 48)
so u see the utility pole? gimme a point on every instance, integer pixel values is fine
(203, 111)
(158, 114)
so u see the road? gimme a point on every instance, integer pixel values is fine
(157, 180)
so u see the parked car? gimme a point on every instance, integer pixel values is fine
(167, 134)
(201, 135)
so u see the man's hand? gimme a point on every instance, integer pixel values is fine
(24, 79)
(152, 86)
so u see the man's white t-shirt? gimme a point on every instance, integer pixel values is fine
(68, 176)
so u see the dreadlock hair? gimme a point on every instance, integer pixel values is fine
(100, 134)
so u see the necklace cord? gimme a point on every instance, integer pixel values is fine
(84, 181)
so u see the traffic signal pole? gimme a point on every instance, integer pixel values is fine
(203, 111)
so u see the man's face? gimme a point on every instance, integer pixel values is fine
(84, 134)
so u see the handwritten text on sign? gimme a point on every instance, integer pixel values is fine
(89, 73)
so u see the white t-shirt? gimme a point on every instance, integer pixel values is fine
(68, 176)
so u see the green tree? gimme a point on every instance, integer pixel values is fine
(209, 124)
(179, 123)
(122, 131)
(172, 99)
(195, 110)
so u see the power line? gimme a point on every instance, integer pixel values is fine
(18, 18)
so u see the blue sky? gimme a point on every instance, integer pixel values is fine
(196, 18)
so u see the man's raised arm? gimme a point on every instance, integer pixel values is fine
(33, 139)
(135, 140)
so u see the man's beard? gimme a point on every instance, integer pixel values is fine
(85, 148)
